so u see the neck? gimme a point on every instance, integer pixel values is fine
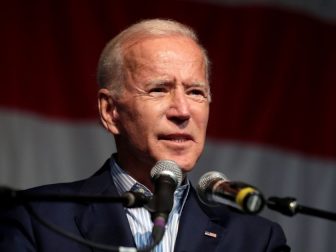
(137, 170)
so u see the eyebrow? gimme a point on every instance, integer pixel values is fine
(159, 82)
(196, 84)
(171, 82)
(166, 81)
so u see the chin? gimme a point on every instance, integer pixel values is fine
(186, 166)
(185, 162)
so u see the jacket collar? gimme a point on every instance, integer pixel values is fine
(104, 223)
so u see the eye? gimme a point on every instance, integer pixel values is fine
(158, 91)
(197, 93)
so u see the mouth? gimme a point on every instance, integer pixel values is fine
(178, 138)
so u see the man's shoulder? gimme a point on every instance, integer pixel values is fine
(96, 184)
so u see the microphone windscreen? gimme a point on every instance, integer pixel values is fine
(167, 167)
(204, 186)
(209, 177)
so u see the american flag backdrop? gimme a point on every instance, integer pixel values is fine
(273, 81)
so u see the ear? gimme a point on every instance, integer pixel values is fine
(108, 111)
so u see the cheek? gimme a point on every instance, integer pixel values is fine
(141, 121)
(201, 118)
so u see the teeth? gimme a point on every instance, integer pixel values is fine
(178, 140)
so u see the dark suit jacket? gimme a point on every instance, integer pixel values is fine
(107, 223)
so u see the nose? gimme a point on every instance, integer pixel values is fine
(179, 107)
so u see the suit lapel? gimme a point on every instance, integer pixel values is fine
(197, 231)
(104, 223)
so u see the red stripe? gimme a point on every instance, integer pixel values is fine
(277, 83)
(273, 69)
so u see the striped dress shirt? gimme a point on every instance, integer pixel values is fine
(139, 218)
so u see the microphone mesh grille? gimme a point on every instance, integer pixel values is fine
(208, 178)
(204, 186)
(167, 167)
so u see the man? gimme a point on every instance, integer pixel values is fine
(154, 98)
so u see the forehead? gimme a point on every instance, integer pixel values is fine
(173, 52)
(160, 47)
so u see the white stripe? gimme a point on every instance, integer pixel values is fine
(36, 151)
(127, 249)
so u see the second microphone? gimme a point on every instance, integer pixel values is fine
(214, 188)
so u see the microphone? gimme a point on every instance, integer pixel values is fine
(166, 176)
(214, 188)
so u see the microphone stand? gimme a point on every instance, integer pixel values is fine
(289, 206)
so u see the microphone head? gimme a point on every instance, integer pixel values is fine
(169, 168)
(204, 186)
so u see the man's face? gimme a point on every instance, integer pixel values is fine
(163, 110)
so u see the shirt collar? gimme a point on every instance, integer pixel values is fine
(124, 182)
